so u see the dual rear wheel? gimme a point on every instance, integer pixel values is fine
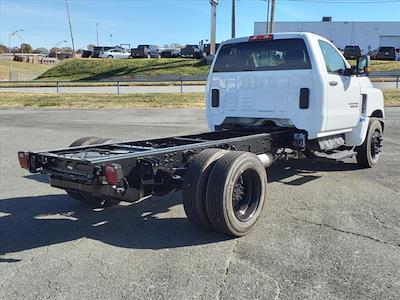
(225, 191)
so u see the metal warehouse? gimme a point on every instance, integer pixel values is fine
(367, 35)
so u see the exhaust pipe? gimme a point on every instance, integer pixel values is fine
(266, 159)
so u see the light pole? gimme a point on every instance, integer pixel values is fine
(111, 39)
(268, 7)
(9, 50)
(233, 29)
(70, 29)
(97, 33)
(272, 24)
(55, 47)
(214, 4)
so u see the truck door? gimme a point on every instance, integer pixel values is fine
(343, 92)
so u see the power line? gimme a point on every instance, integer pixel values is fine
(345, 1)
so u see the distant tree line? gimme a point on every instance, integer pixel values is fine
(27, 48)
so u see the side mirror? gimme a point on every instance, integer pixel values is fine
(363, 63)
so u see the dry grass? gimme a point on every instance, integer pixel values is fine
(21, 68)
(380, 65)
(392, 97)
(192, 100)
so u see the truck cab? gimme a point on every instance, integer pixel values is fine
(296, 80)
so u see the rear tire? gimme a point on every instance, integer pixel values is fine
(368, 153)
(85, 197)
(236, 193)
(195, 186)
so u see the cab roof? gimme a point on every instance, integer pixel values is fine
(275, 36)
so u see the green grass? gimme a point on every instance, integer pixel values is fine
(21, 68)
(192, 100)
(10, 99)
(120, 69)
(100, 69)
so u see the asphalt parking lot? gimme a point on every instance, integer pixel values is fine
(329, 230)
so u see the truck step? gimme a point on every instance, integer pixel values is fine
(336, 155)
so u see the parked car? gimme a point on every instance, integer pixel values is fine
(86, 53)
(97, 50)
(170, 53)
(143, 51)
(115, 53)
(191, 51)
(352, 52)
(386, 53)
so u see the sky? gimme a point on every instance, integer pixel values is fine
(45, 23)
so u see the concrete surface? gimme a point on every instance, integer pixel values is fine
(329, 231)
(109, 89)
(138, 89)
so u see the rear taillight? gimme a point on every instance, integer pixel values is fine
(261, 37)
(113, 173)
(23, 158)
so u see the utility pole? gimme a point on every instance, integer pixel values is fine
(97, 33)
(233, 35)
(70, 29)
(268, 7)
(214, 4)
(271, 26)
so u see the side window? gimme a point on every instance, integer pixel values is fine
(333, 61)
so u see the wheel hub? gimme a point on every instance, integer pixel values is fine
(376, 144)
(246, 195)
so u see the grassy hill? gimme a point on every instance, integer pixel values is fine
(98, 69)
(113, 69)
(23, 69)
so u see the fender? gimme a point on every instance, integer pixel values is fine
(372, 107)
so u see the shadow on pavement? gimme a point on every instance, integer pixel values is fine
(306, 170)
(32, 222)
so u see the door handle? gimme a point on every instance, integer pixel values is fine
(332, 83)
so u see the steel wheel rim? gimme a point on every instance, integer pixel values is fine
(246, 195)
(376, 144)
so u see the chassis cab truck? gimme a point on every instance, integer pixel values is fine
(267, 96)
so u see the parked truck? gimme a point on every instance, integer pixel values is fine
(267, 96)
(145, 51)
(191, 51)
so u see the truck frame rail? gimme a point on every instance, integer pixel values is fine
(155, 166)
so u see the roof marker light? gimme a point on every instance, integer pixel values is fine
(261, 37)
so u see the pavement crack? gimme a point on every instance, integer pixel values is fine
(227, 266)
(343, 231)
(378, 219)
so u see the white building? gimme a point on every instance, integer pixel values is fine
(367, 35)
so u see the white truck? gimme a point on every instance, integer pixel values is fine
(267, 97)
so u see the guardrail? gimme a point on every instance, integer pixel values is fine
(159, 79)
(387, 74)
(58, 84)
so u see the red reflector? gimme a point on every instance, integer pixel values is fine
(23, 158)
(261, 37)
(113, 173)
